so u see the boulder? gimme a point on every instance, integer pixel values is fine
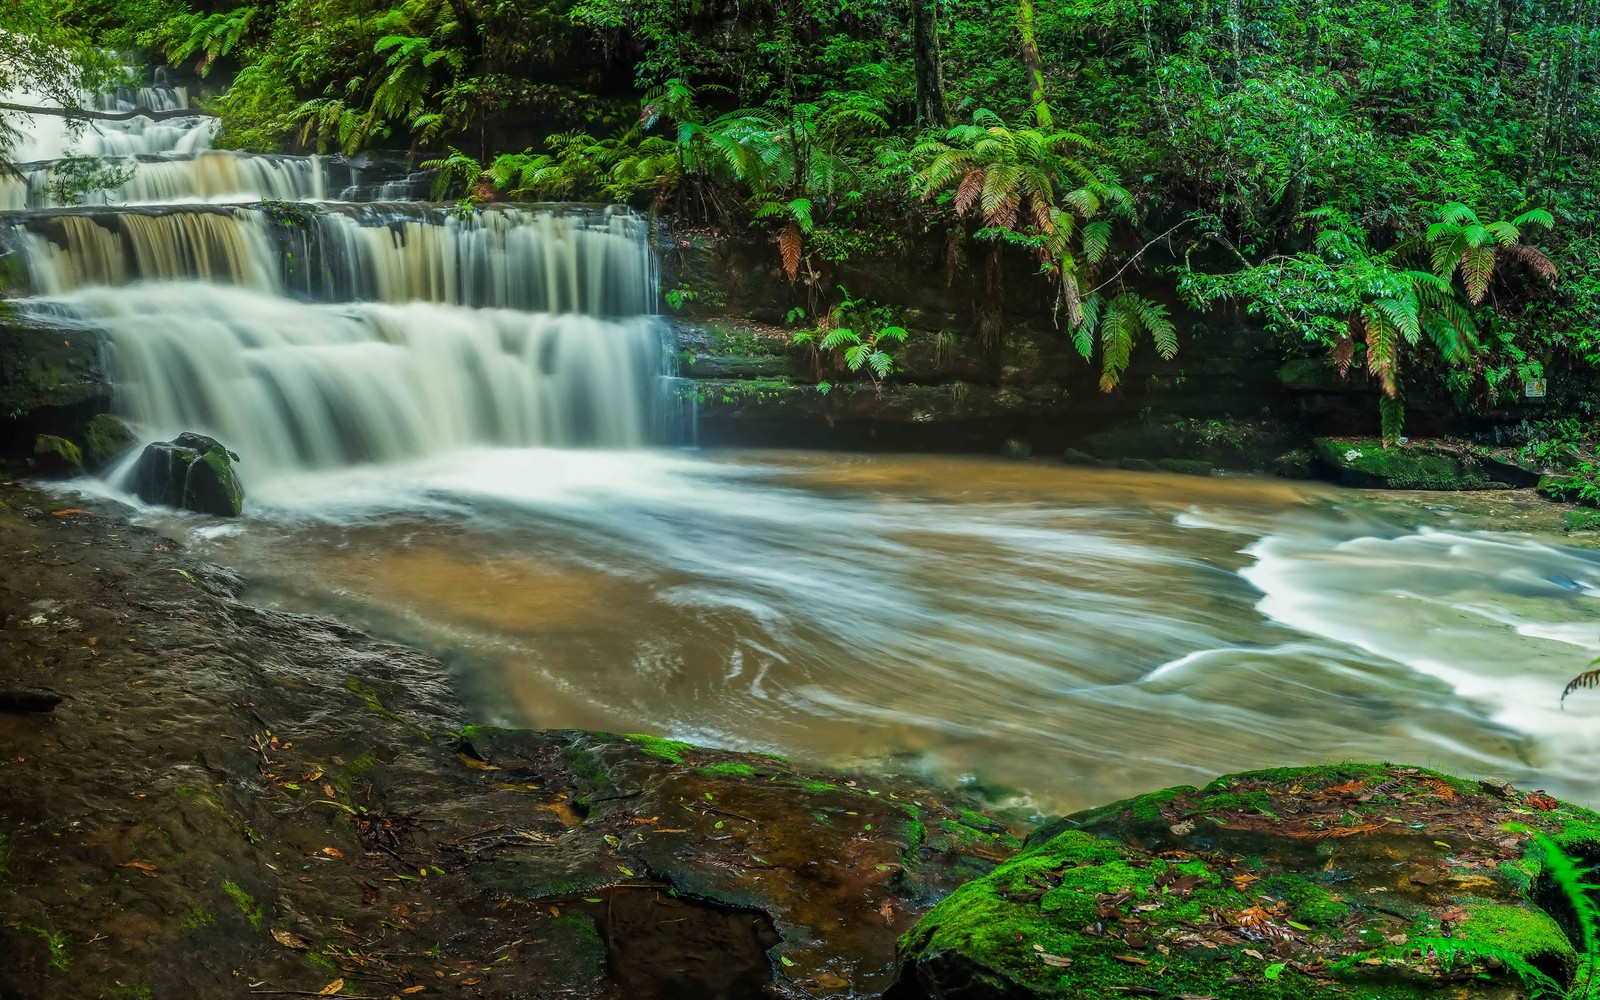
(192, 472)
(1365, 462)
(1355, 881)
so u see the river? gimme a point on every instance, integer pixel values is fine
(460, 430)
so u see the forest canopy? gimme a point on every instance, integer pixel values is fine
(1403, 186)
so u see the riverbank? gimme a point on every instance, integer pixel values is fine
(229, 801)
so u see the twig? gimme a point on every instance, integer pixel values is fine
(1136, 256)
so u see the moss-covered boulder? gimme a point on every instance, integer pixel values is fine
(1365, 462)
(192, 472)
(106, 438)
(1289, 883)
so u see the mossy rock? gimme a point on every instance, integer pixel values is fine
(1072, 456)
(1571, 489)
(1269, 884)
(105, 439)
(1365, 462)
(191, 472)
(1186, 466)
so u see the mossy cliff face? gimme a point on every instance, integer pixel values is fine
(1271, 884)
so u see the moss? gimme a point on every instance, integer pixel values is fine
(1529, 933)
(6, 847)
(729, 770)
(60, 958)
(345, 778)
(322, 962)
(1365, 462)
(49, 444)
(1309, 903)
(105, 439)
(578, 952)
(1186, 466)
(197, 918)
(656, 746)
(246, 904)
(1137, 465)
(1072, 456)
(222, 467)
(131, 991)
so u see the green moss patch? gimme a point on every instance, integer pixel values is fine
(1268, 884)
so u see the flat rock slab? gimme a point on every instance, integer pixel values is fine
(234, 802)
(1290, 883)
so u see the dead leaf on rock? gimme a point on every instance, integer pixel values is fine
(144, 866)
(333, 852)
(331, 989)
(1055, 961)
(288, 940)
(1131, 959)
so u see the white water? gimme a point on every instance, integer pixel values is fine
(1078, 635)
(596, 263)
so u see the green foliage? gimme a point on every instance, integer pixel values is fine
(865, 345)
(1344, 297)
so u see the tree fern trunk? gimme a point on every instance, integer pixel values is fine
(931, 106)
(1035, 68)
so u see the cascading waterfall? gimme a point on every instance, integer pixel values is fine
(310, 334)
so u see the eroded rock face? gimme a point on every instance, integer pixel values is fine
(191, 472)
(1280, 884)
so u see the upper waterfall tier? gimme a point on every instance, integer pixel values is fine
(568, 261)
(216, 177)
(53, 136)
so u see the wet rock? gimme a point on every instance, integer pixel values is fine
(105, 439)
(1186, 466)
(1365, 462)
(52, 382)
(234, 795)
(192, 472)
(1224, 443)
(1282, 883)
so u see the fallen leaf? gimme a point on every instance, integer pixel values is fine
(1055, 961)
(333, 852)
(475, 763)
(68, 512)
(413, 989)
(288, 940)
(1130, 959)
(331, 989)
(470, 982)
(1253, 953)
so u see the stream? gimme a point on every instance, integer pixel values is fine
(459, 430)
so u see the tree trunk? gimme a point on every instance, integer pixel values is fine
(931, 106)
(1030, 59)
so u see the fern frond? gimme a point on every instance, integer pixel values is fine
(1453, 952)
(1587, 679)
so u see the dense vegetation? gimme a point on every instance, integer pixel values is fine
(1398, 184)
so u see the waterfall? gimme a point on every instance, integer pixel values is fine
(258, 300)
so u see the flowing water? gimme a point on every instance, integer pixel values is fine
(456, 429)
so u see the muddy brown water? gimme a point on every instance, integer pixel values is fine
(1061, 636)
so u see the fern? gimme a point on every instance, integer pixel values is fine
(1572, 881)
(1451, 953)
(1588, 679)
